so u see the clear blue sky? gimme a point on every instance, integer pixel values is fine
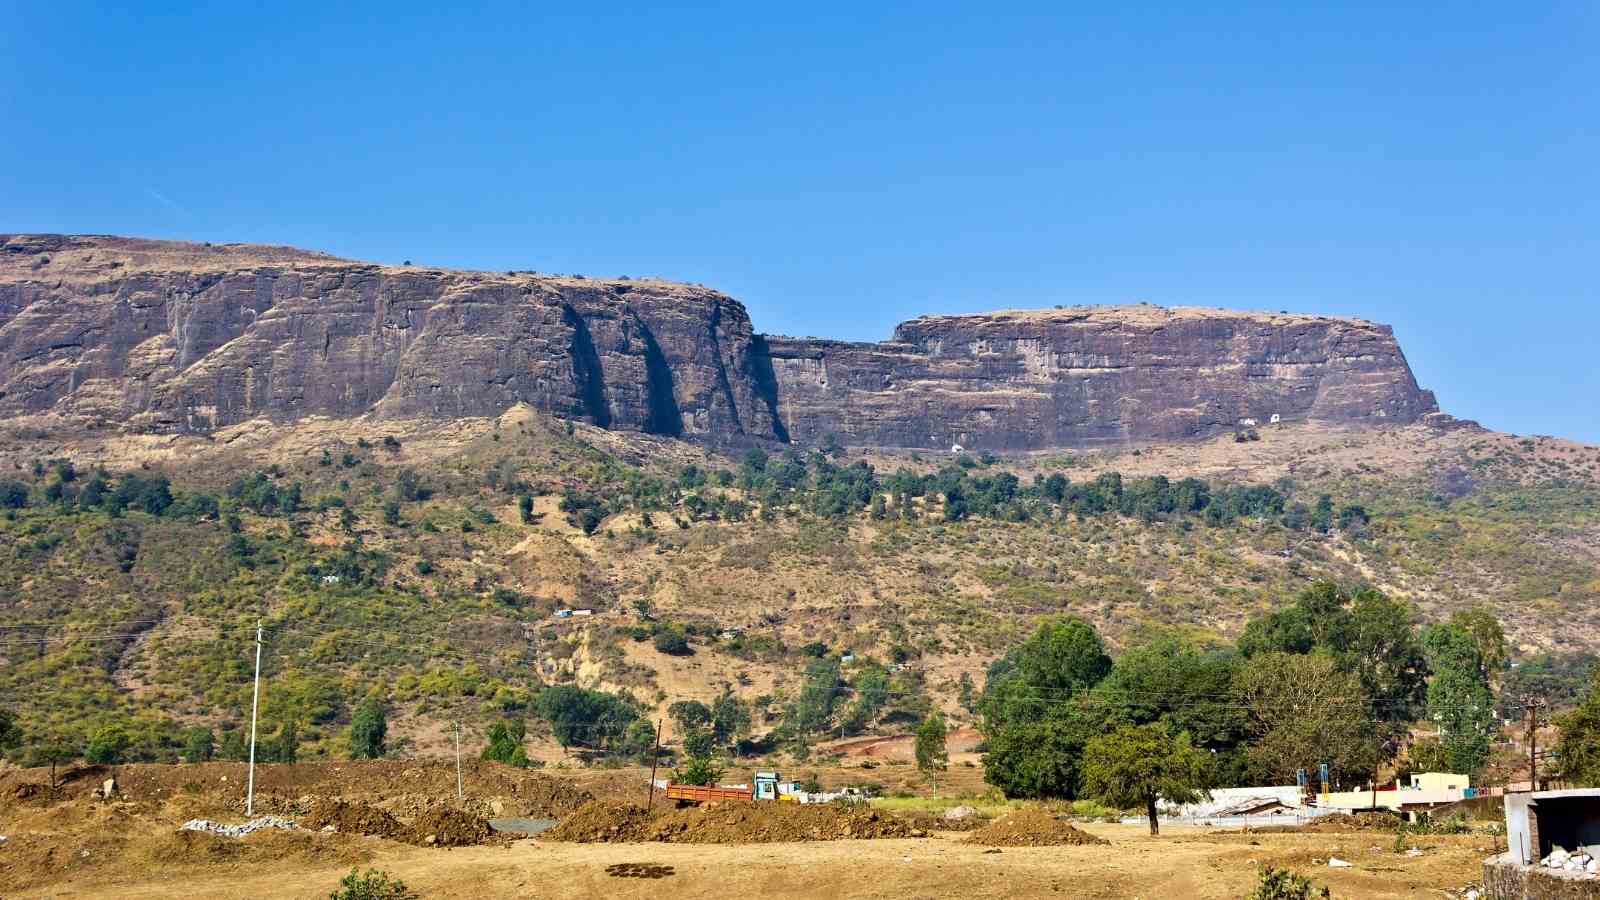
(1436, 167)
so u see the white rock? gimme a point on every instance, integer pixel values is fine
(1338, 863)
(957, 813)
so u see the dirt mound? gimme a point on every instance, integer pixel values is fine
(926, 821)
(351, 818)
(444, 826)
(761, 823)
(727, 823)
(1030, 828)
(596, 822)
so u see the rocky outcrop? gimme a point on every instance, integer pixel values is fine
(1091, 375)
(175, 337)
(157, 335)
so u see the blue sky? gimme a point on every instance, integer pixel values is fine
(1433, 166)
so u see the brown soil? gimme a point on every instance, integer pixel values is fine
(351, 818)
(406, 788)
(727, 823)
(1030, 828)
(443, 826)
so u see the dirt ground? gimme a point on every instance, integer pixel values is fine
(1187, 863)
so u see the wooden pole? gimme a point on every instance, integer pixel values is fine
(655, 758)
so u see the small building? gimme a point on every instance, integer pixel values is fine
(1552, 847)
(563, 613)
(1427, 791)
(583, 612)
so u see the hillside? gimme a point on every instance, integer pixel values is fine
(394, 553)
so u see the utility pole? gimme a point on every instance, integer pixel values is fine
(460, 796)
(655, 758)
(1533, 744)
(255, 705)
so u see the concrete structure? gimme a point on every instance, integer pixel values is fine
(1242, 801)
(1546, 832)
(1538, 823)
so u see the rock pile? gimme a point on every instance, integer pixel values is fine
(234, 831)
(1030, 828)
(1577, 862)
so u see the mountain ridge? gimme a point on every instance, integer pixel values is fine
(174, 336)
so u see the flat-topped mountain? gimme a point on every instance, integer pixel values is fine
(174, 336)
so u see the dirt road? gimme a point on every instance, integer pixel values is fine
(1188, 863)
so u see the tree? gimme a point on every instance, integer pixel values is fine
(10, 732)
(1037, 758)
(1060, 659)
(1459, 698)
(368, 728)
(107, 745)
(1034, 714)
(1169, 680)
(812, 710)
(1302, 710)
(590, 718)
(730, 718)
(1579, 744)
(698, 770)
(932, 757)
(284, 747)
(199, 744)
(525, 508)
(689, 714)
(1490, 638)
(505, 743)
(1136, 765)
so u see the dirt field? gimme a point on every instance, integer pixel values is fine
(1187, 863)
(78, 845)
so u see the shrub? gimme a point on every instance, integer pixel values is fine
(374, 885)
(672, 641)
(1281, 884)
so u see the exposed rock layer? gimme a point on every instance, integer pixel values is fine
(159, 335)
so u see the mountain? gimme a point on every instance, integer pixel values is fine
(163, 336)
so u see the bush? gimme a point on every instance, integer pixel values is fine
(672, 641)
(1281, 884)
(374, 885)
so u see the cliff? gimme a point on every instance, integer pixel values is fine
(158, 335)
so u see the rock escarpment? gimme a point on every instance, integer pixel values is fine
(168, 336)
(1092, 375)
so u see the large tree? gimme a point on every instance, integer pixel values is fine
(584, 718)
(1459, 699)
(1137, 765)
(1037, 713)
(1303, 710)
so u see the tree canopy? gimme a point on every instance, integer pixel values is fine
(1136, 765)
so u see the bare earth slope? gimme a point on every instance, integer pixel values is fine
(170, 336)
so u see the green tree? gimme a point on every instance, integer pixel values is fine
(525, 508)
(813, 709)
(582, 717)
(1302, 710)
(1460, 701)
(233, 745)
(1035, 712)
(373, 885)
(10, 732)
(368, 729)
(1060, 659)
(1579, 744)
(107, 745)
(1487, 633)
(1282, 884)
(730, 719)
(932, 757)
(689, 714)
(505, 743)
(672, 641)
(1169, 680)
(697, 770)
(199, 744)
(1137, 765)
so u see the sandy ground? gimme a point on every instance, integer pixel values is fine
(1185, 863)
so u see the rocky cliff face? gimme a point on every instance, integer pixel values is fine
(1092, 375)
(158, 335)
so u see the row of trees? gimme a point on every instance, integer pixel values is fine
(1337, 677)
